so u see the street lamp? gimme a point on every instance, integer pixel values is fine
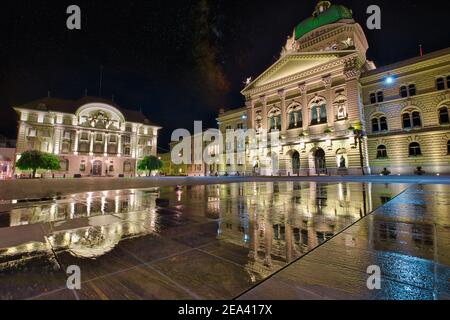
(359, 134)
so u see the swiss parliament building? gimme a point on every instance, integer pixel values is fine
(337, 113)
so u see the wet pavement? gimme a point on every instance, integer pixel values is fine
(309, 239)
(408, 238)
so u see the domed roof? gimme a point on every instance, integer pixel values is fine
(324, 14)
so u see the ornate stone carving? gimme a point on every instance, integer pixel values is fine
(327, 81)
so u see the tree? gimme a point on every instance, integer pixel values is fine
(150, 163)
(34, 160)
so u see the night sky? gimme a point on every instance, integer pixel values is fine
(178, 61)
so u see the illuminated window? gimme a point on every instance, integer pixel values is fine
(318, 111)
(295, 117)
(31, 132)
(381, 152)
(275, 120)
(65, 147)
(444, 116)
(84, 136)
(414, 149)
(126, 139)
(440, 84)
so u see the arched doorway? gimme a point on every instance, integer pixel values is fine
(319, 161)
(97, 168)
(295, 163)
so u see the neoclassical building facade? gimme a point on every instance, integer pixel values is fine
(335, 111)
(91, 136)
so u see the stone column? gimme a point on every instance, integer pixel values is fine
(250, 107)
(57, 140)
(282, 94)
(305, 109)
(119, 144)
(265, 123)
(354, 105)
(91, 147)
(327, 81)
(105, 136)
(75, 147)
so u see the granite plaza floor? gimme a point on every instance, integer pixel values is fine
(305, 239)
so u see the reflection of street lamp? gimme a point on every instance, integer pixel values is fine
(359, 134)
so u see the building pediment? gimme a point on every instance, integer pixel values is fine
(292, 64)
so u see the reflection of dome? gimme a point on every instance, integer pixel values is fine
(324, 14)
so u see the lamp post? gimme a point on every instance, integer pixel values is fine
(359, 134)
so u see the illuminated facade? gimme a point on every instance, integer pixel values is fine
(336, 113)
(407, 107)
(92, 136)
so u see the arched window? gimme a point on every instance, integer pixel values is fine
(375, 125)
(414, 149)
(318, 111)
(382, 152)
(440, 84)
(411, 119)
(403, 92)
(444, 116)
(412, 90)
(340, 106)
(295, 117)
(275, 120)
(380, 96)
(383, 124)
(258, 123)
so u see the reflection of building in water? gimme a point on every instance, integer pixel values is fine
(88, 225)
(279, 222)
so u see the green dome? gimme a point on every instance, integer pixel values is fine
(331, 15)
